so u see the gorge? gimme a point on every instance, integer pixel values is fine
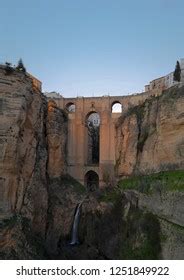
(136, 212)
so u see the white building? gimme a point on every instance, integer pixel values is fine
(182, 69)
(169, 80)
(166, 81)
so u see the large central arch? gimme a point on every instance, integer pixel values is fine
(93, 138)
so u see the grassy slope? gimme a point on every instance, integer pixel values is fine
(165, 181)
(66, 181)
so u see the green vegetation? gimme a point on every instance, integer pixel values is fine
(70, 182)
(110, 195)
(10, 222)
(168, 95)
(142, 240)
(142, 139)
(137, 110)
(177, 72)
(8, 68)
(174, 225)
(139, 234)
(20, 66)
(162, 181)
(167, 98)
(24, 241)
(16, 220)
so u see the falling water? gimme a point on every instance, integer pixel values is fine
(74, 239)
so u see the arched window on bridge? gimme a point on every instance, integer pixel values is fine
(116, 107)
(93, 137)
(91, 180)
(70, 107)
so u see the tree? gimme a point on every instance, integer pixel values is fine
(20, 66)
(177, 72)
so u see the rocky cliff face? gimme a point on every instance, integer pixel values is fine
(113, 227)
(149, 137)
(28, 148)
(56, 127)
(64, 195)
(129, 225)
(169, 210)
(23, 149)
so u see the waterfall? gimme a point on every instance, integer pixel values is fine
(74, 239)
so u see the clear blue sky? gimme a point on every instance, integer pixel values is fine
(86, 47)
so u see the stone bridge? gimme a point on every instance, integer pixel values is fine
(79, 109)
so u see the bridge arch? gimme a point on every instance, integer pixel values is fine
(93, 116)
(92, 136)
(70, 107)
(116, 107)
(79, 156)
(91, 180)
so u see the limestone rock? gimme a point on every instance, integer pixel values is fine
(64, 195)
(166, 205)
(150, 136)
(56, 138)
(23, 155)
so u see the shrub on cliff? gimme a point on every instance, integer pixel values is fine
(20, 66)
(142, 239)
(8, 68)
(177, 72)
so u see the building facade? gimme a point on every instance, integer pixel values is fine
(167, 81)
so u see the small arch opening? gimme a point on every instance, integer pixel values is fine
(93, 137)
(70, 107)
(91, 180)
(116, 107)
